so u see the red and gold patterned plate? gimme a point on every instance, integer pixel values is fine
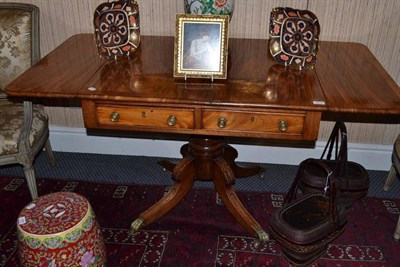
(294, 37)
(117, 28)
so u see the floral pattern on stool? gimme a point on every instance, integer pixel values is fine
(60, 229)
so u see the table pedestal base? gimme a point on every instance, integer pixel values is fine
(206, 159)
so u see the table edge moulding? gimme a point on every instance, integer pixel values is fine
(259, 99)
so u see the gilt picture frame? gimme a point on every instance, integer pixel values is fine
(201, 46)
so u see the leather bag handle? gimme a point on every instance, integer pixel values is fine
(339, 133)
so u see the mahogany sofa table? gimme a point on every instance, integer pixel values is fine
(259, 99)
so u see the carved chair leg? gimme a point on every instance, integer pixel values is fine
(49, 153)
(397, 232)
(390, 178)
(31, 181)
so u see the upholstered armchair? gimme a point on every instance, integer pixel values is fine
(24, 127)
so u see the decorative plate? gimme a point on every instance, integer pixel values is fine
(294, 37)
(117, 28)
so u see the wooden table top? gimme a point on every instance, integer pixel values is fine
(347, 78)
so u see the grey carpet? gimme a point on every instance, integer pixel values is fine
(145, 170)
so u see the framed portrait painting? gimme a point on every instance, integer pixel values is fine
(201, 46)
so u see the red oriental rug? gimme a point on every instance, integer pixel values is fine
(200, 231)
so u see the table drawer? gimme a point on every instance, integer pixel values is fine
(145, 117)
(255, 122)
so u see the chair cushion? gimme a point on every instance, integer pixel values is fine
(15, 45)
(11, 120)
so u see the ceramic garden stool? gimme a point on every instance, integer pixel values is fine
(394, 170)
(59, 229)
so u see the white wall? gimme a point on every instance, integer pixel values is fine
(372, 157)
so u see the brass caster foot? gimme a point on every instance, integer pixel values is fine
(397, 237)
(386, 188)
(262, 237)
(137, 225)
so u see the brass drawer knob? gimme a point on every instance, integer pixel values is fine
(114, 117)
(283, 125)
(171, 120)
(222, 122)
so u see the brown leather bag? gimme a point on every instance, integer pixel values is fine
(353, 179)
(305, 226)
